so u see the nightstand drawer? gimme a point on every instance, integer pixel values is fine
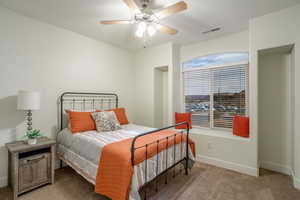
(33, 171)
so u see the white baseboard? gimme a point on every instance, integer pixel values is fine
(276, 167)
(3, 182)
(296, 181)
(282, 169)
(229, 165)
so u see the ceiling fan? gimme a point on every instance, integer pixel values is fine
(149, 21)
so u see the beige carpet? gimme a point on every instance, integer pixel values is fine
(204, 183)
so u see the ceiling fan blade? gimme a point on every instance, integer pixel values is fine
(170, 10)
(116, 22)
(167, 29)
(132, 5)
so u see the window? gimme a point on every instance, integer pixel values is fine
(215, 89)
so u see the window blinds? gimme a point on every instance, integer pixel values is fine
(197, 96)
(229, 94)
(215, 94)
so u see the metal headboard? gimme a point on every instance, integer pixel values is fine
(83, 101)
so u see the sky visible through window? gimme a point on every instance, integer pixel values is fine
(216, 59)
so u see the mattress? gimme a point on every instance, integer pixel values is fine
(82, 151)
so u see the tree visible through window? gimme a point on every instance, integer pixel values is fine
(215, 89)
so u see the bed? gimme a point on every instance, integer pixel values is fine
(82, 151)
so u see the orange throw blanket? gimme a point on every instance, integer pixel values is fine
(115, 169)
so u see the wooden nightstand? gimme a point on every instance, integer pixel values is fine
(30, 166)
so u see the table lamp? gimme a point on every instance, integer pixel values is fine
(28, 101)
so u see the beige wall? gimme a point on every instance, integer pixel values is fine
(146, 61)
(275, 30)
(161, 97)
(238, 42)
(40, 57)
(165, 97)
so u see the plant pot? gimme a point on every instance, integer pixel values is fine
(32, 141)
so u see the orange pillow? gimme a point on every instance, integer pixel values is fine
(81, 121)
(121, 115)
(240, 126)
(183, 117)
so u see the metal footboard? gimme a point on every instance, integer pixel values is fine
(184, 159)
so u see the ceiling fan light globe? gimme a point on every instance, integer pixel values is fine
(139, 34)
(151, 30)
(142, 26)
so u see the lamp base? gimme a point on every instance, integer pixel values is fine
(29, 120)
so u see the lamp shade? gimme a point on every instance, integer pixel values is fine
(28, 100)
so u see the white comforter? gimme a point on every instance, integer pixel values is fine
(84, 151)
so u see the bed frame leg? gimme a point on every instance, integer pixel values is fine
(187, 167)
(60, 163)
(187, 150)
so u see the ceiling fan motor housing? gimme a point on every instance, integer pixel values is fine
(145, 17)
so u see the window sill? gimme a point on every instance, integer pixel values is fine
(217, 133)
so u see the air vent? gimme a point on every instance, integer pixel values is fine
(211, 30)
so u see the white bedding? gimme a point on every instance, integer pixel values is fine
(84, 149)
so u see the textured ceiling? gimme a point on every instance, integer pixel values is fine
(83, 16)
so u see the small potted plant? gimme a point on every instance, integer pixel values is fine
(32, 136)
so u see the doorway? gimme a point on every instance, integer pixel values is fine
(161, 96)
(275, 108)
